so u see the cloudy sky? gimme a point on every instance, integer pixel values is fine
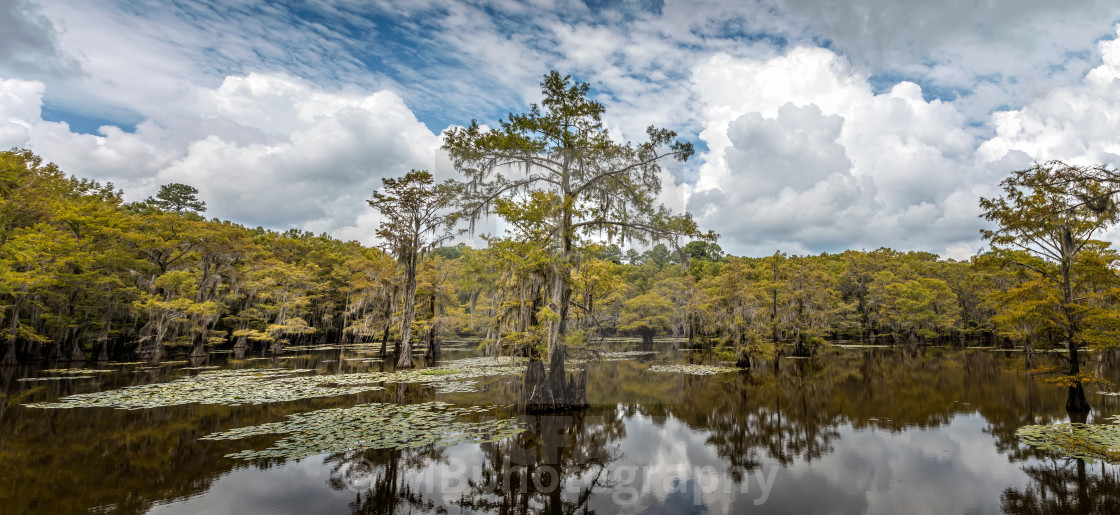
(820, 126)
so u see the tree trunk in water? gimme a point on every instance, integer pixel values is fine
(647, 338)
(103, 354)
(557, 377)
(76, 353)
(433, 353)
(198, 350)
(53, 351)
(1076, 401)
(9, 357)
(385, 335)
(404, 358)
(242, 345)
(154, 353)
(538, 394)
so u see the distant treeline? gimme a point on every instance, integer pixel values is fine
(87, 275)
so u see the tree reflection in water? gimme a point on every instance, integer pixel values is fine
(1065, 486)
(559, 454)
(793, 414)
(379, 478)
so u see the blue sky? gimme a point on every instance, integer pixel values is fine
(820, 127)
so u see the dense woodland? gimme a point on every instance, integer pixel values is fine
(87, 275)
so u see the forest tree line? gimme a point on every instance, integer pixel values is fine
(86, 274)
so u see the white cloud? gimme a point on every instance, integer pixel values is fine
(29, 45)
(281, 120)
(1079, 123)
(281, 152)
(804, 157)
(19, 103)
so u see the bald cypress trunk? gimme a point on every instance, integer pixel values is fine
(9, 357)
(404, 358)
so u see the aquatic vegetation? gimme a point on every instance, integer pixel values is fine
(470, 363)
(266, 385)
(228, 387)
(1091, 442)
(56, 378)
(445, 379)
(79, 371)
(439, 372)
(696, 370)
(619, 356)
(371, 426)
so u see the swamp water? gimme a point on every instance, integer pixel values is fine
(333, 430)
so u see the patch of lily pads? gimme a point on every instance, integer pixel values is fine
(77, 371)
(269, 385)
(1090, 442)
(450, 378)
(56, 378)
(371, 426)
(624, 355)
(228, 387)
(696, 370)
(471, 363)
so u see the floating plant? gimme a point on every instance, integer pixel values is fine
(371, 426)
(56, 378)
(1090, 442)
(696, 370)
(446, 379)
(229, 387)
(266, 385)
(79, 371)
(618, 356)
(499, 361)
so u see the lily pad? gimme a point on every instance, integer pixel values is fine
(246, 386)
(696, 370)
(1091, 442)
(267, 385)
(56, 378)
(371, 426)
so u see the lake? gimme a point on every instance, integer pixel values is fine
(331, 429)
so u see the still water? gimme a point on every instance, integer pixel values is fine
(850, 430)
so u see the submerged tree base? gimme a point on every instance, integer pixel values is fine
(1076, 403)
(553, 390)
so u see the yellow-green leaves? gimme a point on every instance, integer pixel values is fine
(1091, 442)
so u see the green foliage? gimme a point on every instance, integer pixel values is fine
(646, 314)
(1090, 442)
(703, 250)
(177, 197)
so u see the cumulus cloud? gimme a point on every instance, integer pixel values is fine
(1078, 123)
(283, 117)
(19, 102)
(804, 157)
(280, 152)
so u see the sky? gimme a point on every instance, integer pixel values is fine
(820, 126)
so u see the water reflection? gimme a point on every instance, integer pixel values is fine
(554, 467)
(847, 430)
(1065, 486)
(378, 476)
